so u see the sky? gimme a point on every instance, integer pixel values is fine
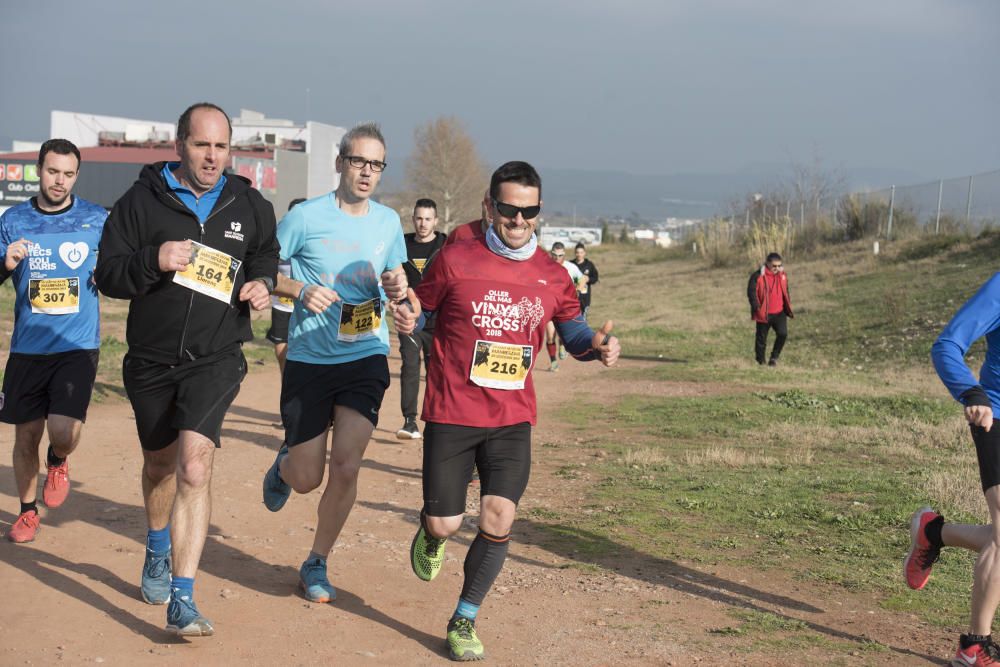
(657, 87)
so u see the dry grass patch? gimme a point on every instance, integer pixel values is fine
(957, 489)
(644, 458)
(728, 457)
(896, 439)
(953, 482)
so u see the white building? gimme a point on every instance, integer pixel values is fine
(283, 159)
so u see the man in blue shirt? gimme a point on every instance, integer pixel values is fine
(979, 317)
(49, 247)
(339, 246)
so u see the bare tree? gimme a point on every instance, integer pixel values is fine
(446, 167)
(813, 185)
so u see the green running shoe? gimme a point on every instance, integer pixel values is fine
(463, 643)
(426, 555)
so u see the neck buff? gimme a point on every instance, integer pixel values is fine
(500, 248)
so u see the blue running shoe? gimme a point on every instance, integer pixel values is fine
(276, 492)
(313, 581)
(184, 619)
(155, 585)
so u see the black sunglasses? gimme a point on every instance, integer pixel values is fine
(511, 211)
(359, 162)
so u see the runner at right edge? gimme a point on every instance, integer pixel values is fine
(979, 317)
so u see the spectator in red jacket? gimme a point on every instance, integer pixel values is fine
(770, 306)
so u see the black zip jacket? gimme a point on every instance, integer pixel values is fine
(415, 275)
(169, 323)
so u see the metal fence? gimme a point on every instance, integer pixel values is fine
(967, 204)
(970, 203)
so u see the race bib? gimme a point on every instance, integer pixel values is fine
(500, 365)
(54, 296)
(211, 272)
(360, 320)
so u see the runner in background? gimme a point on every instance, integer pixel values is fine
(552, 343)
(588, 269)
(281, 312)
(421, 246)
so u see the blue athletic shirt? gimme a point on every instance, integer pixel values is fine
(980, 316)
(64, 246)
(200, 206)
(347, 254)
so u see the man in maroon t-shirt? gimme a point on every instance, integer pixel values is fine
(770, 306)
(493, 296)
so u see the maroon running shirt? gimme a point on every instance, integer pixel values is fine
(466, 232)
(491, 315)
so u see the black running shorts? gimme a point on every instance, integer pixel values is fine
(988, 453)
(310, 391)
(193, 396)
(278, 333)
(38, 385)
(502, 455)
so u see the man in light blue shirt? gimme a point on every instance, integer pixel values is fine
(340, 246)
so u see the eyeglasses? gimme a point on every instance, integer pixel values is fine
(511, 211)
(359, 162)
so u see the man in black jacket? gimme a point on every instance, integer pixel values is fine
(192, 249)
(421, 246)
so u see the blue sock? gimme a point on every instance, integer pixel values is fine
(182, 587)
(466, 610)
(158, 541)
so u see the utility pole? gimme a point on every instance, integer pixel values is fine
(892, 201)
(937, 219)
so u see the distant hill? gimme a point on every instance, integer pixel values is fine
(618, 194)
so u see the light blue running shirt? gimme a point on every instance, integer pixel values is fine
(348, 254)
(57, 275)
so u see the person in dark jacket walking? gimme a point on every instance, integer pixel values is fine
(193, 249)
(770, 306)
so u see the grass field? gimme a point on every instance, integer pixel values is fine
(813, 467)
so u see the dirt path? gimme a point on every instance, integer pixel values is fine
(72, 595)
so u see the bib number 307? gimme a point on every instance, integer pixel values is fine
(54, 296)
